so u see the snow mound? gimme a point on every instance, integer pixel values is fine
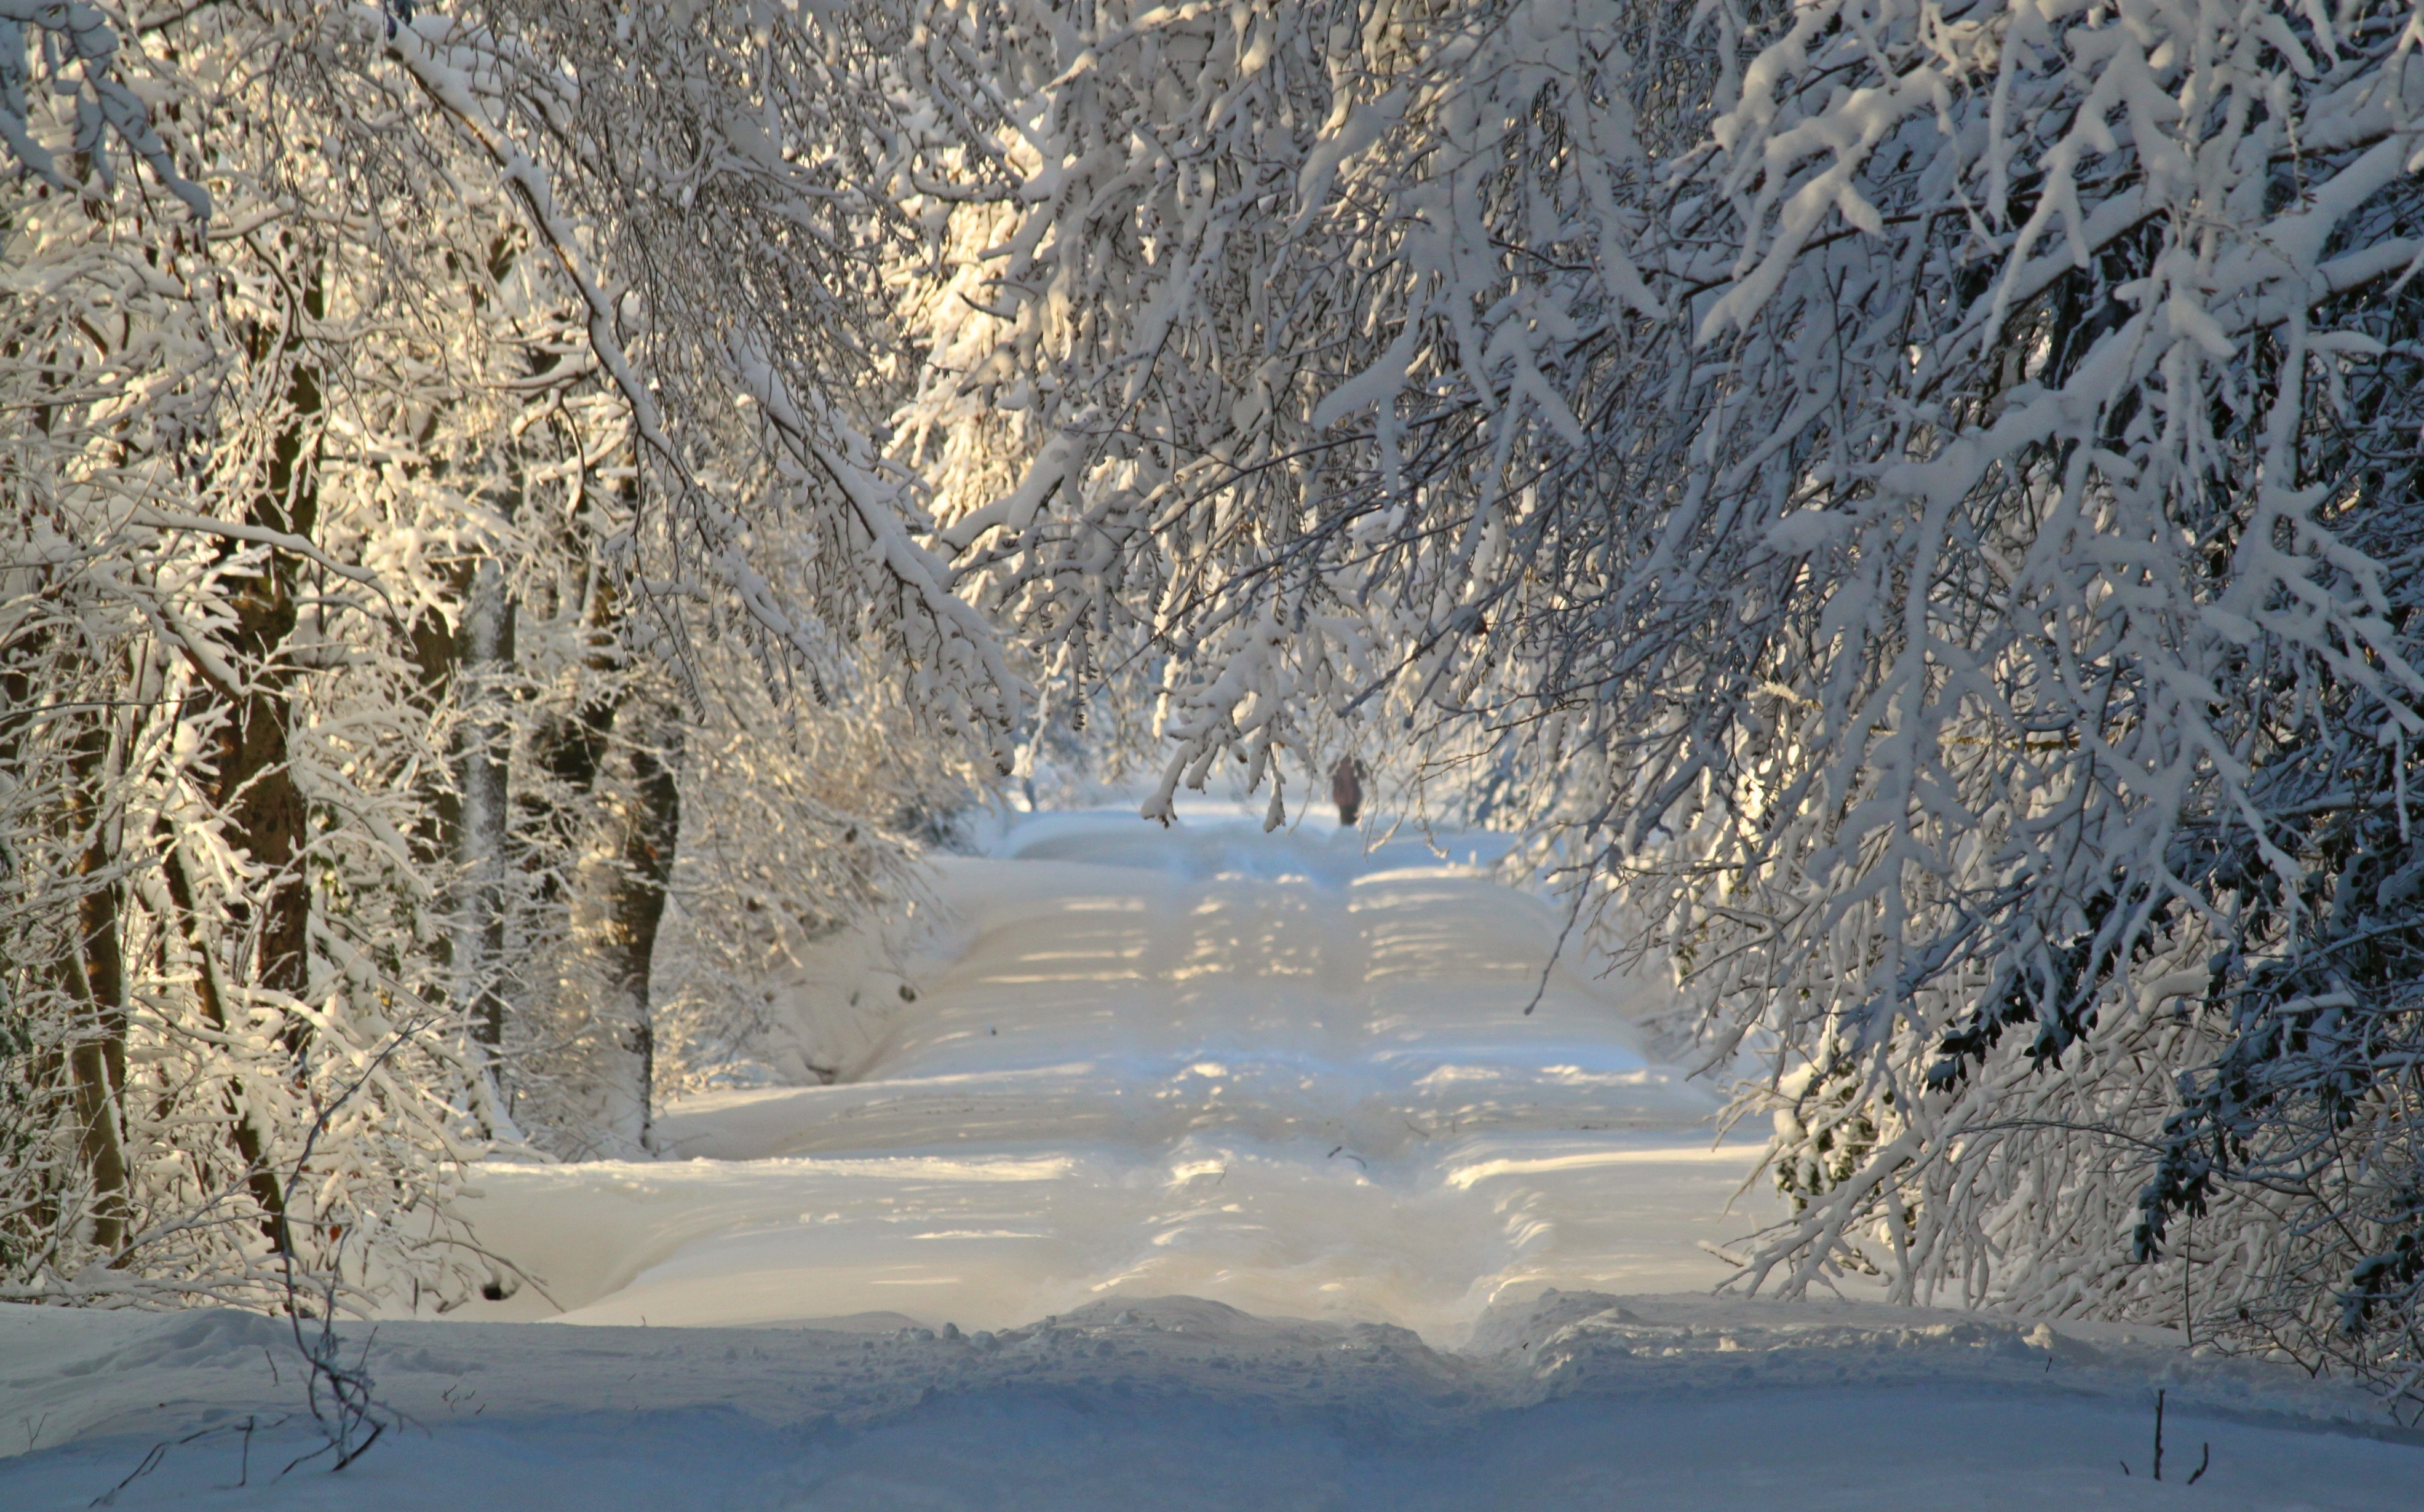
(1569, 1400)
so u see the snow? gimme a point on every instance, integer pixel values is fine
(1571, 1400)
(1205, 1169)
(1276, 1071)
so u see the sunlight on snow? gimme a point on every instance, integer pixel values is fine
(1274, 1071)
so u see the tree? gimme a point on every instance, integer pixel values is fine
(326, 514)
(1873, 485)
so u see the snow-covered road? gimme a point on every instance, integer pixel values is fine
(1206, 1171)
(1274, 1071)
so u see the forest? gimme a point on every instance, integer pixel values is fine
(520, 516)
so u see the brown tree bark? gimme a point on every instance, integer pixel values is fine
(98, 1135)
(21, 697)
(260, 1177)
(640, 804)
(96, 975)
(253, 782)
(484, 658)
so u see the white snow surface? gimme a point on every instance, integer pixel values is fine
(1205, 1169)
(1571, 1400)
(1282, 1072)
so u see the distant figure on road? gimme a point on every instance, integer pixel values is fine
(1346, 788)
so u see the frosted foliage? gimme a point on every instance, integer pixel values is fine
(1908, 505)
(708, 182)
(75, 36)
(796, 897)
(312, 509)
(199, 1075)
(1882, 487)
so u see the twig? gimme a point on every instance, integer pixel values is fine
(243, 1464)
(150, 1462)
(2159, 1434)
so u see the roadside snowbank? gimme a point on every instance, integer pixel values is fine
(1571, 1400)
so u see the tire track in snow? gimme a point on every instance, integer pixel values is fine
(1276, 1071)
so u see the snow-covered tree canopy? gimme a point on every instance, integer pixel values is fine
(709, 181)
(355, 509)
(1909, 502)
(1913, 497)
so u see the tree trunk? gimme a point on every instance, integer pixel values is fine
(97, 1135)
(253, 779)
(438, 838)
(485, 656)
(96, 973)
(251, 1146)
(644, 827)
(484, 659)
